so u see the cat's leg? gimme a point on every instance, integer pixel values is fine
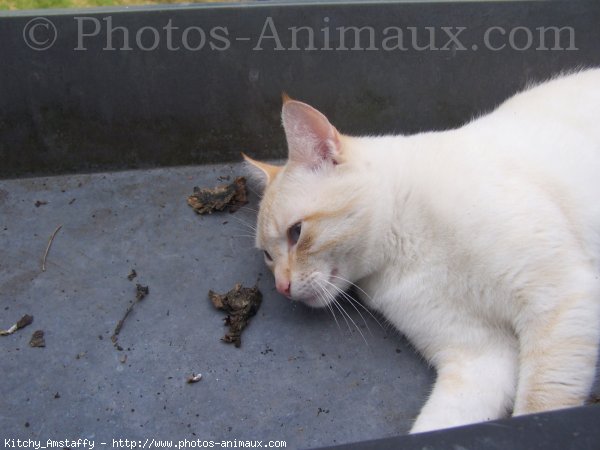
(473, 385)
(559, 346)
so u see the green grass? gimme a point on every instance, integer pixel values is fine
(43, 4)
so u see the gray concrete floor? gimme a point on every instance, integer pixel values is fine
(298, 377)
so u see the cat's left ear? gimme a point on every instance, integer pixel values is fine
(268, 171)
(312, 140)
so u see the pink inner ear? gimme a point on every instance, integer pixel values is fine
(312, 140)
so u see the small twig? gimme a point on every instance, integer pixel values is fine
(140, 293)
(48, 247)
(121, 322)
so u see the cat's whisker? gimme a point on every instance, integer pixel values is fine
(258, 194)
(341, 308)
(332, 313)
(246, 224)
(353, 285)
(247, 208)
(355, 301)
(358, 303)
(333, 302)
(344, 313)
(324, 300)
(244, 229)
(352, 302)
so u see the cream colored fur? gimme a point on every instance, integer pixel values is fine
(480, 244)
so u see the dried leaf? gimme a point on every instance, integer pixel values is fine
(232, 196)
(240, 304)
(37, 339)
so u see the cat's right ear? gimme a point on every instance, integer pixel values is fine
(312, 140)
(267, 172)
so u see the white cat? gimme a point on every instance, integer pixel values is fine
(480, 244)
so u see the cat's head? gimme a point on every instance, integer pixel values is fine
(313, 223)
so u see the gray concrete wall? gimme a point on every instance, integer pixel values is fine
(95, 102)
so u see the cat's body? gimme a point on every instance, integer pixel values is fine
(480, 244)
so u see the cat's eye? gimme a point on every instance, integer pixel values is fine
(268, 256)
(294, 233)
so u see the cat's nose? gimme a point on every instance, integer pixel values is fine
(283, 286)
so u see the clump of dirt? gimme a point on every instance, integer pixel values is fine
(227, 196)
(240, 304)
(37, 339)
(21, 323)
(141, 291)
(132, 275)
(321, 410)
